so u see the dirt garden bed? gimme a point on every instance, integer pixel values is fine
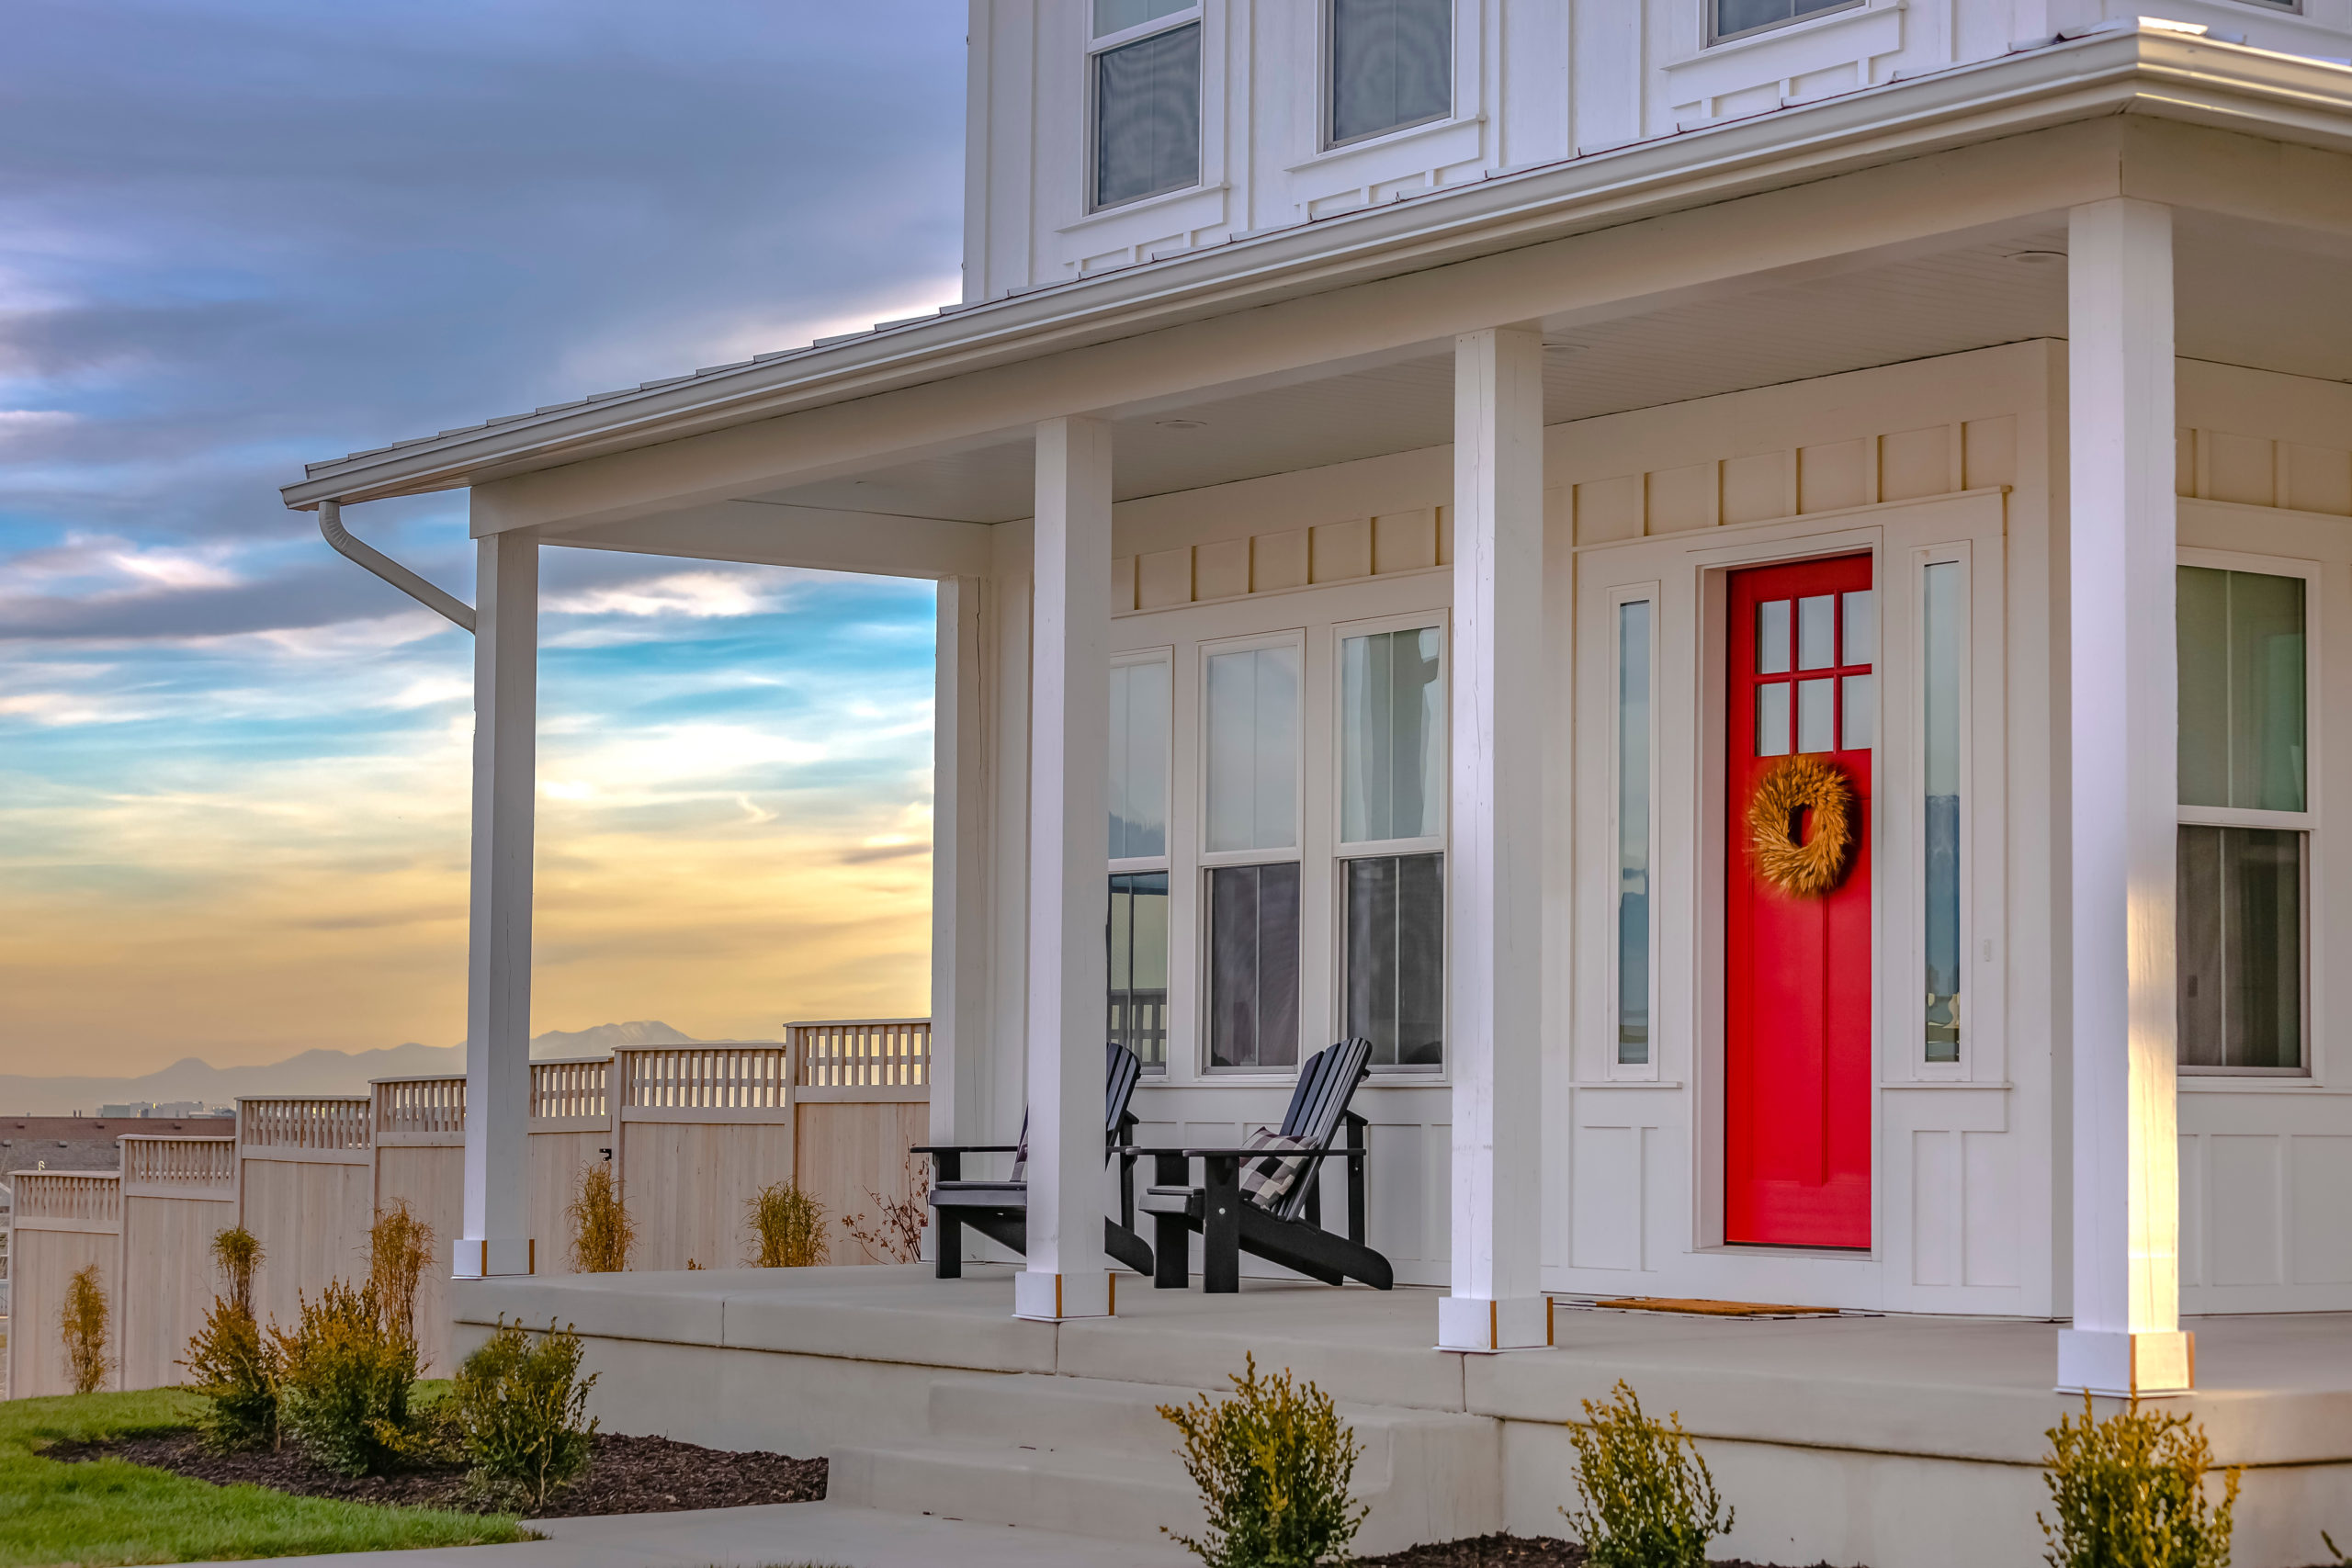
(1506, 1551)
(626, 1476)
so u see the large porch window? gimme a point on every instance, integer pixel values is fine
(1137, 781)
(1392, 832)
(1250, 763)
(2246, 821)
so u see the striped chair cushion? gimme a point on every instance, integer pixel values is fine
(1266, 1177)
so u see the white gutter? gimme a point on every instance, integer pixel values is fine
(437, 600)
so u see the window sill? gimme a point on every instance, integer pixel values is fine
(1103, 215)
(1386, 139)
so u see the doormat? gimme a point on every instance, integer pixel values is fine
(1699, 1308)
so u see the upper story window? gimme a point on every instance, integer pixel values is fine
(1729, 19)
(1391, 65)
(1145, 70)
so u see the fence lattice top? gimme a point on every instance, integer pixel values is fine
(92, 1196)
(570, 1087)
(319, 1122)
(862, 1053)
(180, 1161)
(708, 1078)
(416, 1107)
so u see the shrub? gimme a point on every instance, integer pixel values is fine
(345, 1383)
(235, 1367)
(1647, 1499)
(399, 1249)
(84, 1321)
(787, 1228)
(896, 1232)
(2129, 1492)
(603, 1235)
(1273, 1464)
(518, 1406)
(237, 1254)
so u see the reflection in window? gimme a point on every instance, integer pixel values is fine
(1138, 1003)
(1118, 16)
(1940, 719)
(1395, 957)
(2241, 689)
(1252, 712)
(1253, 966)
(1147, 116)
(1734, 18)
(1392, 65)
(2240, 932)
(1634, 831)
(1392, 737)
(1138, 776)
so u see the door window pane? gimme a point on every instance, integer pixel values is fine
(1816, 631)
(1392, 737)
(1147, 116)
(1816, 712)
(1633, 833)
(1940, 717)
(1735, 16)
(1139, 965)
(1772, 720)
(1772, 638)
(1862, 628)
(1860, 713)
(1395, 957)
(2241, 658)
(1138, 778)
(1253, 711)
(2239, 927)
(1392, 65)
(1253, 966)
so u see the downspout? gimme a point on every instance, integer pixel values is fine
(434, 599)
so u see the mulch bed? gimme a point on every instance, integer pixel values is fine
(1506, 1551)
(625, 1475)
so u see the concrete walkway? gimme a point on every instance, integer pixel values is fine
(777, 1535)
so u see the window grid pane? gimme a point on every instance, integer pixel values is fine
(1147, 116)
(1138, 777)
(1118, 16)
(1735, 16)
(1395, 957)
(1392, 743)
(2242, 689)
(1392, 65)
(1633, 833)
(1940, 719)
(1253, 966)
(2240, 938)
(1138, 999)
(1252, 713)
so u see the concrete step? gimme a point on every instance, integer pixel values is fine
(1093, 1457)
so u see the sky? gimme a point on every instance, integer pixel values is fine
(236, 235)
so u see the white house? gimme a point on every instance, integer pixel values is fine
(1417, 468)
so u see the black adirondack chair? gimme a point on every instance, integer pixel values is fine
(1266, 1200)
(999, 1209)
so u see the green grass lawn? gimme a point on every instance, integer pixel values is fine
(109, 1512)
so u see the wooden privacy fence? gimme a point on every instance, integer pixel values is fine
(691, 1132)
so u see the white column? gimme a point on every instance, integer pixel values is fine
(1495, 935)
(959, 862)
(1069, 747)
(2126, 1336)
(497, 1238)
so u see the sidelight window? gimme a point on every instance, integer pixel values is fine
(1942, 640)
(1633, 812)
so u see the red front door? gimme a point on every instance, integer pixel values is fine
(1797, 982)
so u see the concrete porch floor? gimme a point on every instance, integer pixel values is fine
(1889, 1440)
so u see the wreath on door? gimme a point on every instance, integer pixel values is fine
(1811, 867)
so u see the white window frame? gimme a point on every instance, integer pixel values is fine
(1710, 8)
(2306, 821)
(1343, 852)
(1327, 97)
(1914, 808)
(1207, 859)
(1652, 594)
(1196, 13)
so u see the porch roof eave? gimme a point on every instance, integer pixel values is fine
(2163, 74)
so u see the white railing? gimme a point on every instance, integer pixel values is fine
(179, 1162)
(570, 1088)
(420, 1107)
(707, 1078)
(87, 1196)
(861, 1053)
(311, 1121)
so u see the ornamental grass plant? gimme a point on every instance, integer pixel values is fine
(1273, 1463)
(786, 1228)
(603, 1235)
(2129, 1492)
(1646, 1497)
(518, 1409)
(399, 1249)
(86, 1322)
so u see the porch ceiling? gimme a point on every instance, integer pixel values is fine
(2249, 295)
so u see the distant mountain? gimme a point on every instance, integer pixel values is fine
(312, 1071)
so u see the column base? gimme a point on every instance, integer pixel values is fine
(2126, 1365)
(478, 1258)
(1484, 1325)
(1055, 1298)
